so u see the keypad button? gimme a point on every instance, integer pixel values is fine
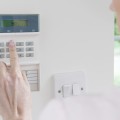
(7, 49)
(1, 44)
(20, 49)
(19, 43)
(2, 50)
(29, 43)
(21, 55)
(29, 55)
(7, 43)
(2, 56)
(8, 56)
(29, 49)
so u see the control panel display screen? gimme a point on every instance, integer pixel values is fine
(19, 23)
(14, 23)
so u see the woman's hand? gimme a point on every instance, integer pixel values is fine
(15, 96)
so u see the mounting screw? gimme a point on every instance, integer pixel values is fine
(59, 91)
(81, 88)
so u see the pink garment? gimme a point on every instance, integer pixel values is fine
(87, 107)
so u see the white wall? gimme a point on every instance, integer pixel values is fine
(75, 35)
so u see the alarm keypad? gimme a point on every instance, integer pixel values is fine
(24, 49)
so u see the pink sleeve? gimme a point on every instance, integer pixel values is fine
(53, 111)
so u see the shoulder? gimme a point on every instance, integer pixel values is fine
(52, 110)
(113, 94)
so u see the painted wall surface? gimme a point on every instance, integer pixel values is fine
(76, 35)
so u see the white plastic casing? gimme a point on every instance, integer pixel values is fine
(27, 63)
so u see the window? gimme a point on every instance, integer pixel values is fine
(116, 54)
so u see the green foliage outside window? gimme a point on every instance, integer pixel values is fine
(116, 31)
(116, 54)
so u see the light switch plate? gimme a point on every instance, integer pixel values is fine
(68, 78)
(67, 90)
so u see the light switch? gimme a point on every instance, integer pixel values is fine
(67, 90)
(76, 89)
(67, 83)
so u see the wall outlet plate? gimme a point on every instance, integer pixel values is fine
(69, 78)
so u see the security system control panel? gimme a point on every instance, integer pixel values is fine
(27, 45)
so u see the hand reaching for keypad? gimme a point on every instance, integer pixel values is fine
(15, 95)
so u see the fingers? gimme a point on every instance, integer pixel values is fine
(25, 77)
(3, 74)
(14, 62)
(3, 70)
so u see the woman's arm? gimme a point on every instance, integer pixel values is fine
(15, 95)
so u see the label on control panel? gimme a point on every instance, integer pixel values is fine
(33, 75)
